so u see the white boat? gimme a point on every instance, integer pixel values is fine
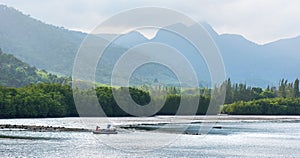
(108, 130)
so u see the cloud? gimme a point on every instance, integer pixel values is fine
(259, 21)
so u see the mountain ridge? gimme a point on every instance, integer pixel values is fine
(54, 49)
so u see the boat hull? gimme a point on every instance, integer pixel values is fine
(105, 132)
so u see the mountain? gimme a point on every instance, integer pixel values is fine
(54, 49)
(15, 73)
(285, 59)
(245, 61)
(39, 44)
(259, 64)
(125, 40)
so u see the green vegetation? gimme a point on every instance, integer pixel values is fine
(15, 73)
(268, 106)
(244, 100)
(55, 100)
(45, 46)
(41, 100)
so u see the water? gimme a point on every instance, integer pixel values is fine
(251, 137)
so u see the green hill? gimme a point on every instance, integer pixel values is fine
(42, 45)
(15, 73)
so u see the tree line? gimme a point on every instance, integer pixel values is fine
(267, 106)
(281, 100)
(41, 100)
(242, 92)
(56, 100)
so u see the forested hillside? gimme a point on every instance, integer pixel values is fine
(15, 73)
(45, 46)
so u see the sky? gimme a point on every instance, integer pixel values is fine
(260, 21)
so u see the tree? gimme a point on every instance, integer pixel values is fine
(255, 92)
(229, 95)
(296, 88)
(267, 94)
(282, 88)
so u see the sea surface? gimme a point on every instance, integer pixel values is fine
(229, 136)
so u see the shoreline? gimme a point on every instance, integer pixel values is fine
(35, 128)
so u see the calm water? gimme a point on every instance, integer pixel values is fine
(252, 137)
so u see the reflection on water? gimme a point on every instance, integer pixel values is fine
(230, 138)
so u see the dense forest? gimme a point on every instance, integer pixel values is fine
(41, 100)
(56, 100)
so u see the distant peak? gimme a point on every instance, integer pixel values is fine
(148, 33)
(207, 26)
(4, 7)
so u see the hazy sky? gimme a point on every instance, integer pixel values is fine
(260, 21)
